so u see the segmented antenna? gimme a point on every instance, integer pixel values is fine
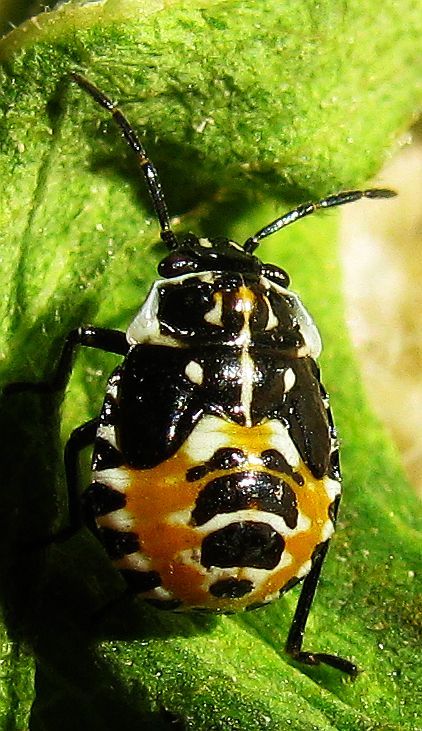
(147, 167)
(305, 209)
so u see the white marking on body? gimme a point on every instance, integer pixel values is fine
(159, 593)
(248, 371)
(116, 520)
(258, 577)
(205, 243)
(327, 531)
(289, 379)
(180, 517)
(245, 305)
(209, 435)
(304, 569)
(215, 315)
(117, 477)
(212, 433)
(268, 598)
(303, 525)
(145, 328)
(334, 444)
(272, 321)
(108, 433)
(195, 372)
(253, 460)
(135, 561)
(217, 573)
(208, 277)
(112, 385)
(332, 487)
(222, 520)
(236, 246)
(307, 327)
(281, 441)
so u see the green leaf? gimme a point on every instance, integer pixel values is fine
(16, 683)
(246, 107)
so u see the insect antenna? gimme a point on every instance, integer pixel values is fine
(147, 167)
(305, 209)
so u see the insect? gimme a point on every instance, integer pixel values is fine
(215, 468)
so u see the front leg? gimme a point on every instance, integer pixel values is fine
(111, 341)
(297, 629)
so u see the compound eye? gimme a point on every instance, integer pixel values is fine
(275, 274)
(176, 264)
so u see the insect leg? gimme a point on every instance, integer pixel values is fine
(111, 341)
(80, 438)
(297, 629)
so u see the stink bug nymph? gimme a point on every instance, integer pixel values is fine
(215, 468)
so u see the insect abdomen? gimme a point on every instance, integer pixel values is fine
(227, 522)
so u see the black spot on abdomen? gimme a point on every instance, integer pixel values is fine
(231, 588)
(100, 499)
(118, 543)
(106, 456)
(223, 459)
(274, 460)
(243, 491)
(169, 604)
(139, 581)
(244, 543)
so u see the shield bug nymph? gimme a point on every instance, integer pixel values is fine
(215, 468)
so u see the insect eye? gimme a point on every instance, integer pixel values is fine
(176, 264)
(275, 274)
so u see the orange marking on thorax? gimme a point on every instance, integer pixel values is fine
(245, 300)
